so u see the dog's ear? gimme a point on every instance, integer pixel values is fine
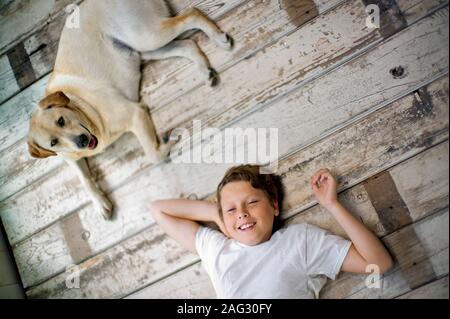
(38, 152)
(55, 99)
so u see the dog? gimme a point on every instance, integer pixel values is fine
(92, 96)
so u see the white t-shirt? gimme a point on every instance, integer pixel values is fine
(294, 263)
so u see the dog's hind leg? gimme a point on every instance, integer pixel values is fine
(188, 49)
(193, 19)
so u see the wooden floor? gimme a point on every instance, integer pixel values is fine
(370, 104)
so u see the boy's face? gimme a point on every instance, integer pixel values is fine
(248, 214)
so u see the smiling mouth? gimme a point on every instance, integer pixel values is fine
(247, 226)
(93, 142)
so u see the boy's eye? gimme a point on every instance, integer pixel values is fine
(253, 202)
(53, 142)
(230, 210)
(61, 121)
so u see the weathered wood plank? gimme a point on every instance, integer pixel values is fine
(243, 15)
(15, 114)
(437, 289)
(192, 282)
(114, 162)
(16, 166)
(359, 152)
(422, 252)
(356, 199)
(253, 26)
(267, 75)
(135, 215)
(233, 97)
(21, 18)
(414, 10)
(8, 85)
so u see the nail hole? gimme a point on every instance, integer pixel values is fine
(397, 72)
(85, 235)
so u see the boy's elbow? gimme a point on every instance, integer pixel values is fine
(386, 265)
(154, 208)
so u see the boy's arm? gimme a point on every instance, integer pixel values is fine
(366, 248)
(178, 218)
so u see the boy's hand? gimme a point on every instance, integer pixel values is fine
(324, 186)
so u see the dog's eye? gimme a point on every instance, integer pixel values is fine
(53, 142)
(61, 121)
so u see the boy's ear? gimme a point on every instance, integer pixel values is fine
(38, 152)
(275, 206)
(55, 99)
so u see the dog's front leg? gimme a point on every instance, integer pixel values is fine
(99, 199)
(143, 128)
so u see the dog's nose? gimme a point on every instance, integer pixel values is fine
(82, 141)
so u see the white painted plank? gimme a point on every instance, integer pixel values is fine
(414, 10)
(192, 282)
(253, 26)
(437, 289)
(20, 18)
(265, 86)
(16, 162)
(8, 86)
(433, 236)
(16, 112)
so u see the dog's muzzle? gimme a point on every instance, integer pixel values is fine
(84, 141)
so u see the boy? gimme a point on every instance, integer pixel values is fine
(251, 259)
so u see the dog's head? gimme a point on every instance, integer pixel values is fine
(58, 126)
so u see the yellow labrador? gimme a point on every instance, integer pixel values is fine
(92, 96)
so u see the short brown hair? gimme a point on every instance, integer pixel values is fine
(270, 184)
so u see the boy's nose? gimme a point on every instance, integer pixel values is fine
(243, 215)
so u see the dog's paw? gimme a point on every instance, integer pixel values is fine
(213, 77)
(104, 206)
(225, 41)
(164, 151)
